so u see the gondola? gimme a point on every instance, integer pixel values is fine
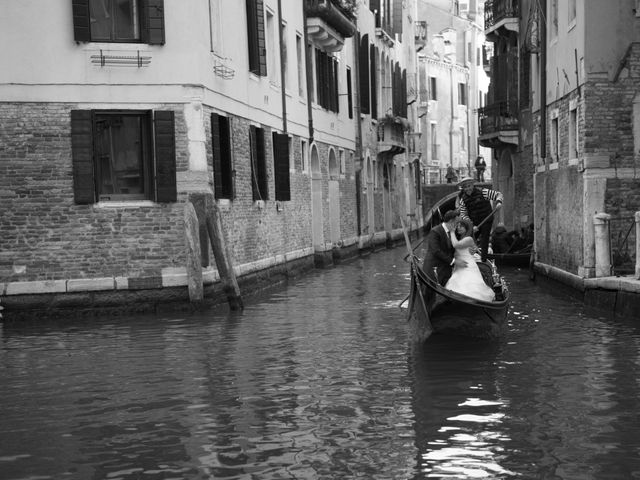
(435, 309)
(514, 259)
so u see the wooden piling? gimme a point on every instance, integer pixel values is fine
(222, 254)
(193, 253)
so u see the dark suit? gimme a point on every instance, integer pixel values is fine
(439, 254)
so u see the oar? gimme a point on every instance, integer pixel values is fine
(488, 216)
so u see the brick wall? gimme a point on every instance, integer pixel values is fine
(255, 231)
(44, 230)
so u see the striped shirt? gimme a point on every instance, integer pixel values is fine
(487, 193)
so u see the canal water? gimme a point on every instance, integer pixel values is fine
(318, 381)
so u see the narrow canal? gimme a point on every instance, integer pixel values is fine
(318, 381)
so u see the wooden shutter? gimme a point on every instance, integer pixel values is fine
(403, 94)
(363, 63)
(258, 164)
(81, 24)
(349, 94)
(84, 191)
(281, 166)
(217, 155)
(397, 85)
(153, 21)
(256, 37)
(374, 88)
(262, 46)
(165, 147)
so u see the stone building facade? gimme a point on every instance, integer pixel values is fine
(111, 136)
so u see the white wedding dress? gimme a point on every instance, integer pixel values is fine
(468, 280)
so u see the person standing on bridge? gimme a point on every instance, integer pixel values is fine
(475, 204)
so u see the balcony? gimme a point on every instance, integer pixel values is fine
(328, 24)
(498, 125)
(420, 34)
(500, 16)
(391, 135)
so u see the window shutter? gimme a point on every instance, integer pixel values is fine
(82, 155)
(256, 37)
(153, 21)
(363, 62)
(81, 24)
(374, 88)
(403, 94)
(349, 94)
(258, 165)
(262, 47)
(397, 85)
(281, 166)
(165, 146)
(217, 155)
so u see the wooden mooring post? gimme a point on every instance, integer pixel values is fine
(208, 214)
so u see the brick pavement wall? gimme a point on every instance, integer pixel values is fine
(43, 229)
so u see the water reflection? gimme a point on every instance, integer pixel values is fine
(317, 380)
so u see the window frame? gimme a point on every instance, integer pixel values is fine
(159, 166)
(150, 23)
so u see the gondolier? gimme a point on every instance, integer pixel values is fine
(475, 204)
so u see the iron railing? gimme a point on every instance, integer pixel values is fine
(497, 10)
(497, 117)
(622, 234)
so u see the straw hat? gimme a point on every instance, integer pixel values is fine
(466, 180)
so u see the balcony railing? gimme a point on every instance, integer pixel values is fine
(498, 10)
(498, 117)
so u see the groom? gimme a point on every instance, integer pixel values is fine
(439, 251)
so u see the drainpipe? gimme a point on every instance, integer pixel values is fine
(283, 85)
(355, 89)
(543, 83)
(309, 73)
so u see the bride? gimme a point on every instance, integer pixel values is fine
(467, 280)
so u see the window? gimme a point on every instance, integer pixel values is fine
(433, 91)
(113, 155)
(301, 70)
(573, 133)
(281, 166)
(132, 21)
(256, 41)
(462, 93)
(327, 81)
(259, 185)
(223, 172)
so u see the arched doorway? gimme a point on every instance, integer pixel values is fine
(371, 172)
(334, 197)
(317, 234)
